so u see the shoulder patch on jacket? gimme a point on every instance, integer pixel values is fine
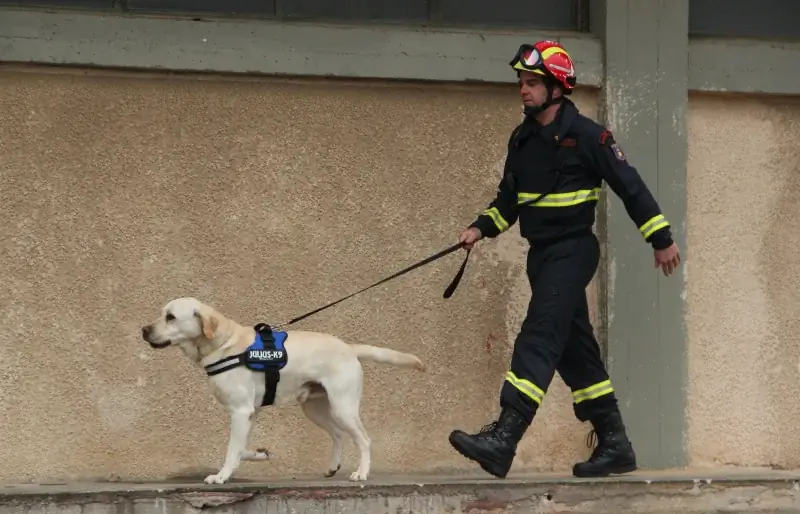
(617, 151)
(607, 138)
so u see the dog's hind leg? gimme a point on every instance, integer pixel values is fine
(346, 414)
(318, 410)
(344, 395)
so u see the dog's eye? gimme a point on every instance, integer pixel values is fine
(169, 317)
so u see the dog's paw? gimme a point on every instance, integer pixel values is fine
(219, 478)
(332, 472)
(258, 455)
(357, 476)
(261, 454)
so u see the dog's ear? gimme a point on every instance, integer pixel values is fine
(208, 323)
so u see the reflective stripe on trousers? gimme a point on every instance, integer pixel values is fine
(526, 387)
(593, 391)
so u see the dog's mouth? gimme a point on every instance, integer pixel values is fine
(159, 346)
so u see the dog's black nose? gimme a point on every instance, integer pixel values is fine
(146, 332)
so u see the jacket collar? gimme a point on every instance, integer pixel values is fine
(553, 133)
(558, 129)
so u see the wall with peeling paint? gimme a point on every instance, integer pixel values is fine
(266, 199)
(742, 280)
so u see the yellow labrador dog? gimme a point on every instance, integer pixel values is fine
(322, 374)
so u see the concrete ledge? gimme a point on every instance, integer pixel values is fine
(272, 47)
(744, 66)
(360, 51)
(663, 493)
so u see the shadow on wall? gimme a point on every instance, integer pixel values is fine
(779, 256)
(265, 199)
(744, 281)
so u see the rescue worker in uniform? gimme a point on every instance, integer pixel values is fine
(556, 162)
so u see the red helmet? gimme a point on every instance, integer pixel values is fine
(549, 59)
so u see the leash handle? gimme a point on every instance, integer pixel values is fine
(447, 294)
(457, 279)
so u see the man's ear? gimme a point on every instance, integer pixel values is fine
(208, 323)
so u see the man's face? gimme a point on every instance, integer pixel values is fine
(532, 89)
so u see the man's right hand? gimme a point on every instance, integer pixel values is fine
(667, 259)
(470, 236)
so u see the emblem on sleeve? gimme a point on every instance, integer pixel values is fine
(618, 152)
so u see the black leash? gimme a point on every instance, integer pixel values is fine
(447, 292)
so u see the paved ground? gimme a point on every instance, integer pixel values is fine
(730, 491)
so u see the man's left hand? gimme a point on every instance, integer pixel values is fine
(668, 259)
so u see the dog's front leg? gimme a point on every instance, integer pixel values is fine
(240, 429)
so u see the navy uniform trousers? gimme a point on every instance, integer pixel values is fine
(557, 333)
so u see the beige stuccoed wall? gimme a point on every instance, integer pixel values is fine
(266, 199)
(743, 295)
(118, 192)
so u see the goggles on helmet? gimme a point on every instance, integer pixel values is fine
(528, 58)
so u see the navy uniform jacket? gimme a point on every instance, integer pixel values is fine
(566, 161)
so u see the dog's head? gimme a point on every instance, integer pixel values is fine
(183, 320)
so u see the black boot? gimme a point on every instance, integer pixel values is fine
(494, 447)
(614, 452)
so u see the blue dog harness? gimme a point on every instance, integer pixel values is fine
(266, 355)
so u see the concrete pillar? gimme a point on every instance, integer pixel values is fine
(644, 104)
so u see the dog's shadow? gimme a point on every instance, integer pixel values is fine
(197, 475)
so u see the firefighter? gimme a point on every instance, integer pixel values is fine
(555, 165)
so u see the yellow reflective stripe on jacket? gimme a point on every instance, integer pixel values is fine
(653, 224)
(560, 199)
(595, 391)
(499, 221)
(525, 387)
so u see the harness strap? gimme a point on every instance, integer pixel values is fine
(223, 365)
(272, 375)
(271, 378)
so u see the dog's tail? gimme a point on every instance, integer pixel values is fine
(368, 353)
